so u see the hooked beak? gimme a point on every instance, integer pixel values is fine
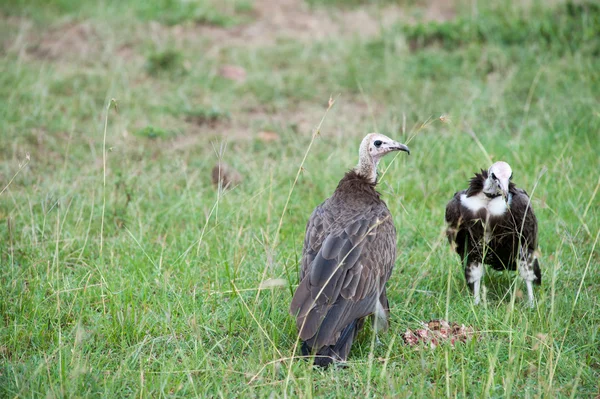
(395, 146)
(504, 187)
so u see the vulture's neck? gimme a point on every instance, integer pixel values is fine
(355, 184)
(367, 167)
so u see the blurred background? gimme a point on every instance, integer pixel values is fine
(188, 70)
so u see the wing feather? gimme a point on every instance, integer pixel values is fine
(524, 218)
(345, 266)
(453, 217)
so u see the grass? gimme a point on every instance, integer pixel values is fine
(224, 13)
(126, 273)
(567, 28)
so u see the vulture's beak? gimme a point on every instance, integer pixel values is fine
(504, 187)
(395, 146)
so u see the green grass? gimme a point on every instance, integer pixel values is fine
(568, 28)
(356, 3)
(133, 276)
(224, 13)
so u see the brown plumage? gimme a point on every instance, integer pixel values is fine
(492, 222)
(348, 256)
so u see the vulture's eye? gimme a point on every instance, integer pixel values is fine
(377, 143)
(493, 176)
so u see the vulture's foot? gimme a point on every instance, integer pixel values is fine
(378, 341)
(340, 365)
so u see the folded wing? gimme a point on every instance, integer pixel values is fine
(345, 266)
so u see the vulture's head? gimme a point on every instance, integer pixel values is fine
(373, 147)
(498, 179)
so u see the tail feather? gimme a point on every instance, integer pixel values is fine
(326, 355)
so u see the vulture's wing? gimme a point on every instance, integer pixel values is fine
(345, 266)
(316, 230)
(522, 211)
(453, 217)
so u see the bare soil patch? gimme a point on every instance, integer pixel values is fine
(294, 19)
(273, 20)
(345, 119)
(72, 40)
(439, 10)
(76, 42)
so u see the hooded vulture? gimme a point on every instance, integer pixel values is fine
(348, 255)
(492, 222)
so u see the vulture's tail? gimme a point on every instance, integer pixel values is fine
(326, 355)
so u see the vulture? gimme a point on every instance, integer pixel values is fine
(348, 255)
(492, 222)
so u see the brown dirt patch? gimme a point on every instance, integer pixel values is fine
(73, 42)
(348, 118)
(294, 19)
(274, 20)
(77, 40)
(439, 10)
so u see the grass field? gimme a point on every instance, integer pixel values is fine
(125, 272)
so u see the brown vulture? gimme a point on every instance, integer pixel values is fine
(492, 222)
(348, 255)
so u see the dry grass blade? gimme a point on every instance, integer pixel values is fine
(316, 132)
(478, 142)
(416, 131)
(584, 275)
(255, 319)
(21, 167)
(111, 103)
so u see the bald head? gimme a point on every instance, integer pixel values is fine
(376, 145)
(498, 180)
(373, 147)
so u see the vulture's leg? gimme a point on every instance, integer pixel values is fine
(380, 321)
(527, 266)
(474, 274)
(380, 316)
